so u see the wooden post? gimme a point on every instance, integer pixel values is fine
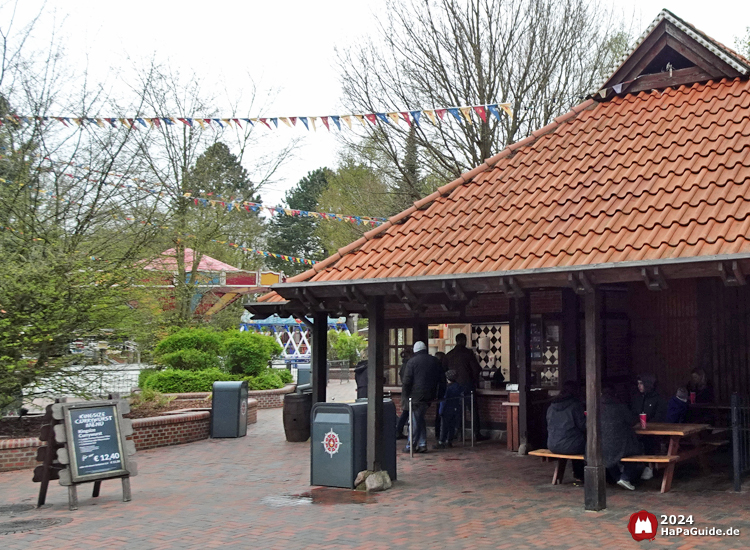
(594, 472)
(319, 356)
(420, 332)
(569, 367)
(523, 360)
(375, 359)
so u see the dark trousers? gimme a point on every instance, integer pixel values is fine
(402, 421)
(449, 425)
(629, 471)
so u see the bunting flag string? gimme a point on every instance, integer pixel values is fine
(284, 257)
(215, 200)
(386, 118)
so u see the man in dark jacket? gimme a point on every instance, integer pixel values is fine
(360, 377)
(462, 360)
(648, 401)
(423, 381)
(566, 426)
(619, 440)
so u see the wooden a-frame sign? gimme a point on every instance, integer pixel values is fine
(86, 442)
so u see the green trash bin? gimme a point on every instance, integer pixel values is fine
(338, 442)
(229, 409)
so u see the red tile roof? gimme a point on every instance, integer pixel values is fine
(168, 262)
(652, 176)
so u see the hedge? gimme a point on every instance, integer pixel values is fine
(187, 381)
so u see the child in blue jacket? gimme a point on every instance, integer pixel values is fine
(450, 411)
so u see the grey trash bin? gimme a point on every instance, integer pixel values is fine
(338, 442)
(229, 409)
(303, 374)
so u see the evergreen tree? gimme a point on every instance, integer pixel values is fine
(296, 235)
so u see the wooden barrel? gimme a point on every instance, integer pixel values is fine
(297, 408)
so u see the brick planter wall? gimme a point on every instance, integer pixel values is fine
(267, 399)
(174, 428)
(271, 399)
(16, 454)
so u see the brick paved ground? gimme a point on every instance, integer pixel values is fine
(239, 493)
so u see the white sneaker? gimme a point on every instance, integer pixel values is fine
(647, 474)
(626, 485)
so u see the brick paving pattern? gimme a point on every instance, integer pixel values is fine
(254, 492)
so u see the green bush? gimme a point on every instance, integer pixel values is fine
(349, 347)
(285, 376)
(248, 352)
(145, 374)
(185, 381)
(266, 380)
(190, 359)
(200, 339)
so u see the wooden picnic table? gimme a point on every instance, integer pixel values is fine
(676, 433)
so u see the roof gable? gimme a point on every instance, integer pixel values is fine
(669, 53)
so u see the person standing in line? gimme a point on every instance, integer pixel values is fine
(439, 356)
(423, 381)
(463, 360)
(450, 411)
(405, 356)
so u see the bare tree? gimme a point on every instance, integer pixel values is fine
(173, 152)
(541, 56)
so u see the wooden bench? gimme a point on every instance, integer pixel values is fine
(562, 461)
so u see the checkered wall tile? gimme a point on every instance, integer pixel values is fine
(493, 333)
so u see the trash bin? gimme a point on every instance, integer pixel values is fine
(229, 409)
(303, 374)
(338, 442)
(297, 416)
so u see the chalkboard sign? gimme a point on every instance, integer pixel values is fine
(95, 443)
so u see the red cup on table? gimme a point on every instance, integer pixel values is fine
(692, 398)
(643, 420)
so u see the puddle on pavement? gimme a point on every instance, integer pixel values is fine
(320, 495)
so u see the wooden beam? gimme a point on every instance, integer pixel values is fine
(453, 291)
(354, 294)
(319, 356)
(510, 287)
(375, 359)
(731, 274)
(654, 278)
(595, 490)
(523, 364)
(580, 283)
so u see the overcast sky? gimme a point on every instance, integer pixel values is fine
(286, 46)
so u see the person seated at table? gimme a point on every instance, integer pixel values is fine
(648, 400)
(701, 386)
(677, 408)
(566, 426)
(619, 440)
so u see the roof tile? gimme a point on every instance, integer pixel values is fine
(650, 176)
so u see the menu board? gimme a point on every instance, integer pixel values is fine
(94, 442)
